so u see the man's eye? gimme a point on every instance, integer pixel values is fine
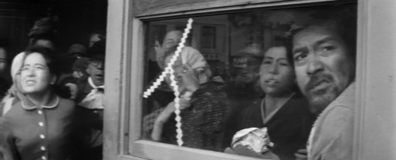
(328, 48)
(300, 56)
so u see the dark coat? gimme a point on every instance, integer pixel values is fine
(288, 129)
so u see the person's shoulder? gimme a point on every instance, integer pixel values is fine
(333, 134)
(66, 101)
(67, 104)
(334, 123)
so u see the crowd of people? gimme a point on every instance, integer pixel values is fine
(53, 108)
(301, 89)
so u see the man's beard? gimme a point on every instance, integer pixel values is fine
(320, 99)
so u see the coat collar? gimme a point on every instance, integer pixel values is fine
(28, 105)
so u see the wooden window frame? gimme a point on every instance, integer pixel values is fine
(124, 79)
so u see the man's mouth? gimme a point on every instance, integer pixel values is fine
(320, 85)
(100, 76)
(319, 82)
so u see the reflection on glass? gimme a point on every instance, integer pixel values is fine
(254, 83)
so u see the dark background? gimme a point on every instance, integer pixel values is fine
(77, 19)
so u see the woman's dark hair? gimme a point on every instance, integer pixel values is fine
(50, 57)
(288, 45)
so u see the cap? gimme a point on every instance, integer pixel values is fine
(76, 49)
(43, 26)
(97, 50)
(251, 55)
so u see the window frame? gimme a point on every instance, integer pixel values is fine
(124, 76)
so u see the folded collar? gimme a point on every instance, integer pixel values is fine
(28, 105)
(93, 85)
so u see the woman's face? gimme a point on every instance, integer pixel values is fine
(35, 74)
(186, 78)
(276, 73)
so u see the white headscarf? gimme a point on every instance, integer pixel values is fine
(16, 65)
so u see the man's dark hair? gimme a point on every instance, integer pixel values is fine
(342, 24)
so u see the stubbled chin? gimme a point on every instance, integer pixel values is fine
(319, 102)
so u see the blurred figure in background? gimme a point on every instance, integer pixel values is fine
(15, 93)
(4, 85)
(91, 99)
(243, 89)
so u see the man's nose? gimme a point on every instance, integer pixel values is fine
(314, 65)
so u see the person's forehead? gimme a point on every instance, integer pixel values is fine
(173, 35)
(276, 52)
(35, 58)
(316, 33)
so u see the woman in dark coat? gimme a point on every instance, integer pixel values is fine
(41, 125)
(203, 105)
(283, 110)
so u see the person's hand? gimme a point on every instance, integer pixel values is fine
(187, 77)
(164, 117)
(301, 154)
(73, 90)
(159, 54)
(77, 74)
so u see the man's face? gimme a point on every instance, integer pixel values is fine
(96, 71)
(3, 60)
(246, 70)
(322, 66)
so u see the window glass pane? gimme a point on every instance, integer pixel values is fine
(254, 82)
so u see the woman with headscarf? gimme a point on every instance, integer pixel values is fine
(41, 125)
(14, 94)
(203, 103)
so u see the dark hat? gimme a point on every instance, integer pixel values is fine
(77, 49)
(98, 50)
(43, 26)
(252, 55)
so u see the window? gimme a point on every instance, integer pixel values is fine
(131, 130)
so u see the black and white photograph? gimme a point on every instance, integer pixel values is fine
(197, 79)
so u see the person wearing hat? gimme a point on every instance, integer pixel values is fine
(78, 61)
(90, 98)
(243, 89)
